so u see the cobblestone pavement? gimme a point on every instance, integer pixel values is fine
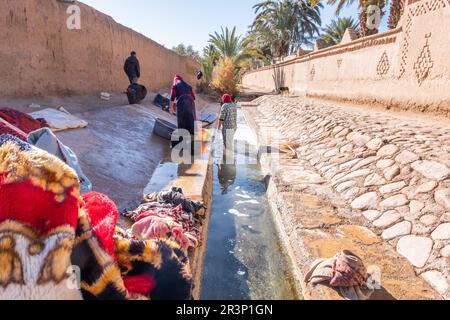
(391, 169)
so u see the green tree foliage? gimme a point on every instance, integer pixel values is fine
(187, 51)
(285, 25)
(334, 32)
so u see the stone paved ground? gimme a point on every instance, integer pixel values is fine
(391, 169)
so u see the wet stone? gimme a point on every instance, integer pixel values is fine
(394, 202)
(388, 151)
(432, 170)
(442, 232)
(366, 201)
(407, 157)
(391, 173)
(416, 249)
(393, 187)
(387, 219)
(402, 229)
(442, 198)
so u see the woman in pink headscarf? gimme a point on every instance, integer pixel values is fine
(228, 121)
(184, 96)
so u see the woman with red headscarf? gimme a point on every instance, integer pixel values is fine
(184, 96)
(228, 121)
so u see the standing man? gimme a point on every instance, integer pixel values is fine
(132, 68)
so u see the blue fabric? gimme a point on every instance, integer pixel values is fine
(23, 146)
(46, 140)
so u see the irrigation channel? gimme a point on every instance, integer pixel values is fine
(245, 259)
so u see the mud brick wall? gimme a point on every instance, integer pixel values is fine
(406, 68)
(39, 55)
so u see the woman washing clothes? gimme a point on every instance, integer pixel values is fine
(184, 96)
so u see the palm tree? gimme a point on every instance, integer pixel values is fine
(209, 61)
(334, 32)
(396, 12)
(286, 24)
(227, 43)
(363, 5)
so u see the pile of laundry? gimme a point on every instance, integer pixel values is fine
(168, 215)
(57, 244)
(346, 272)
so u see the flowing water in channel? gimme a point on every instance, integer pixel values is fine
(244, 258)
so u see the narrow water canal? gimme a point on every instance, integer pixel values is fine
(244, 255)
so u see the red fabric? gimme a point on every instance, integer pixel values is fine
(7, 128)
(103, 215)
(142, 284)
(21, 120)
(23, 202)
(177, 79)
(226, 98)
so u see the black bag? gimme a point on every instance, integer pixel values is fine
(136, 93)
(162, 102)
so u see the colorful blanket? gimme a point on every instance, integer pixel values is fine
(57, 245)
(21, 120)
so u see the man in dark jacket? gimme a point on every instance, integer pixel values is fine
(132, 68)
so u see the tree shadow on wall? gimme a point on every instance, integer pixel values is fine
(279, 79)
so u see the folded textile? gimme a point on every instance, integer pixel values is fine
(21, 120)
(345, 271)
(47, 228)
(58, 120)
(46, 140)
(175, 197)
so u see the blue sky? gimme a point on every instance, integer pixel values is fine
(190, 22)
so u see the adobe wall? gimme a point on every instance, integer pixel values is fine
(39, 55)
(406, 68)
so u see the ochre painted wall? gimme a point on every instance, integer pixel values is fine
(407, 68)
(39, 55)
